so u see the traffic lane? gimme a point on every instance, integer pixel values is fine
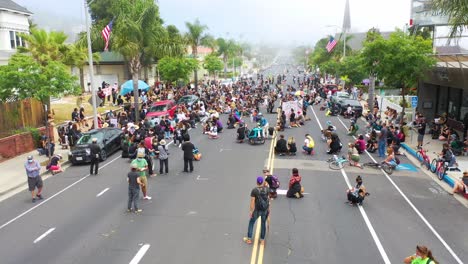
(392, 234)
(447, 215)
(319, 227)
(211, 214)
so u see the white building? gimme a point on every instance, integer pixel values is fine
(13, 20)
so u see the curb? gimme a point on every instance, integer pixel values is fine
(446, 178)
(65, 164)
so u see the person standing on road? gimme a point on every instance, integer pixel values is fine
(423, 256)
(134, 183)
(163, 157)
(383, 140)
(33, 169)
(188, 148)
(142, 166)
(95, 155)
(259, 205)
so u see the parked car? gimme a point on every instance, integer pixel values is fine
(227, 82)
(107, 138)
(355, 105)
(332, 87)
(339, 96)
(188, 99)
(162, 108)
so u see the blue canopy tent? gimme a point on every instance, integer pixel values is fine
(127, 87)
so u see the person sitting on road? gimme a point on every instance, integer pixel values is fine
(353, 129)
(353, 155)
(54, 165)
(423, 256)
(231, 122)
(309, 145)
(349, 111)
(213, 133)
(281, 147)
(372, 142)
(390, 159)
(360, 144)
(334, 144)
(461, 185)
(357, 194)
(295, 188)
(300, 119)
(292, 149)
(241, 131)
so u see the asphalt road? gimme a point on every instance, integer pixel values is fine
(201, 217)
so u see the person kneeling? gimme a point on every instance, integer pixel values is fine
(295, 189)
(292, 149)
(281, 147)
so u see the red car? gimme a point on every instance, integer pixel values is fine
(162, 108)
(332, 87)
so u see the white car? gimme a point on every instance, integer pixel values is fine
(227, 82)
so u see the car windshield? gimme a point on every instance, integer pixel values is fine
(158, 108)
(88, 138)
(185, 99)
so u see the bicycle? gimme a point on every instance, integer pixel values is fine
(439, 166)
(336, 163)
(384, 166)
(422, 156)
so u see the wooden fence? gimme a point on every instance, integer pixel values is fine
(20, 114)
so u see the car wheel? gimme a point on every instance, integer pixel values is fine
(103, 155)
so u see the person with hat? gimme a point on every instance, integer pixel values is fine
(461, 185)
(163, 157)
(134, 183)
(259, 205)
(142, 166)
(33, 169)
(95, 151)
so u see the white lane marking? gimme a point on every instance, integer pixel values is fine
(318, 121)
(201, 179)
(449, 249)
(44, 235)
(139, 255)
(377, 242)
(102, 192)
(283, 192)
(51, 197)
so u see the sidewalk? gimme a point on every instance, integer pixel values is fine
(13, 178)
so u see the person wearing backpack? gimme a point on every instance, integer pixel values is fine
(259, 205)
(423, 256)
(273, 183)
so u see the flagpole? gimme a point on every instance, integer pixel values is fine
(91, 67)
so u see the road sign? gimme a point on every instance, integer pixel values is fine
(98, 101)
(414, 101)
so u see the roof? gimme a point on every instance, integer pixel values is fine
(356, 40)
(10, 5)
(110, 57)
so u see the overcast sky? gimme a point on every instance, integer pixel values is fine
(279, 21)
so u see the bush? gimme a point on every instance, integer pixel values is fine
(36, 135)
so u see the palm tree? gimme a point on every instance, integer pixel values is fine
(227, 49)
(195, 37)
(138, 33)
(45, 47)
(457, 12)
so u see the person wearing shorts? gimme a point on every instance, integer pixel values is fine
(33, 169)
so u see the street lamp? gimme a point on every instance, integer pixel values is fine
(91, 67)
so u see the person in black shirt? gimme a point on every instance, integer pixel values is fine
(134, 182)
(421, 126)
(281, 146)
(95, 154)
(188, 148)
(241, 131)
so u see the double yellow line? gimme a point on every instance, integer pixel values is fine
(258, 248)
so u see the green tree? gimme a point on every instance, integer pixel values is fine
(196, 36)
(227, 49)
(45, 46)
(24, 77)
(457, 12)
(175, 69)
(213, 64)
(351, 66)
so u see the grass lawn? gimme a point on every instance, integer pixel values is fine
(64, 107)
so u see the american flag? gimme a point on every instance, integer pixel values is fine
(331, 44)
(106, 34)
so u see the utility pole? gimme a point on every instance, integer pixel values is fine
(91, 66)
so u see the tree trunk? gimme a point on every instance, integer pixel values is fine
(404, 105)
(82, 84)
(370, 100)
(225, 66)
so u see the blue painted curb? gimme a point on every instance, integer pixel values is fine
(446, 178)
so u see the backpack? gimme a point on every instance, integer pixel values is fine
(261, 201)
(275, 183)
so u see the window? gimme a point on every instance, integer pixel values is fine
(18, 40)
(12, 40)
